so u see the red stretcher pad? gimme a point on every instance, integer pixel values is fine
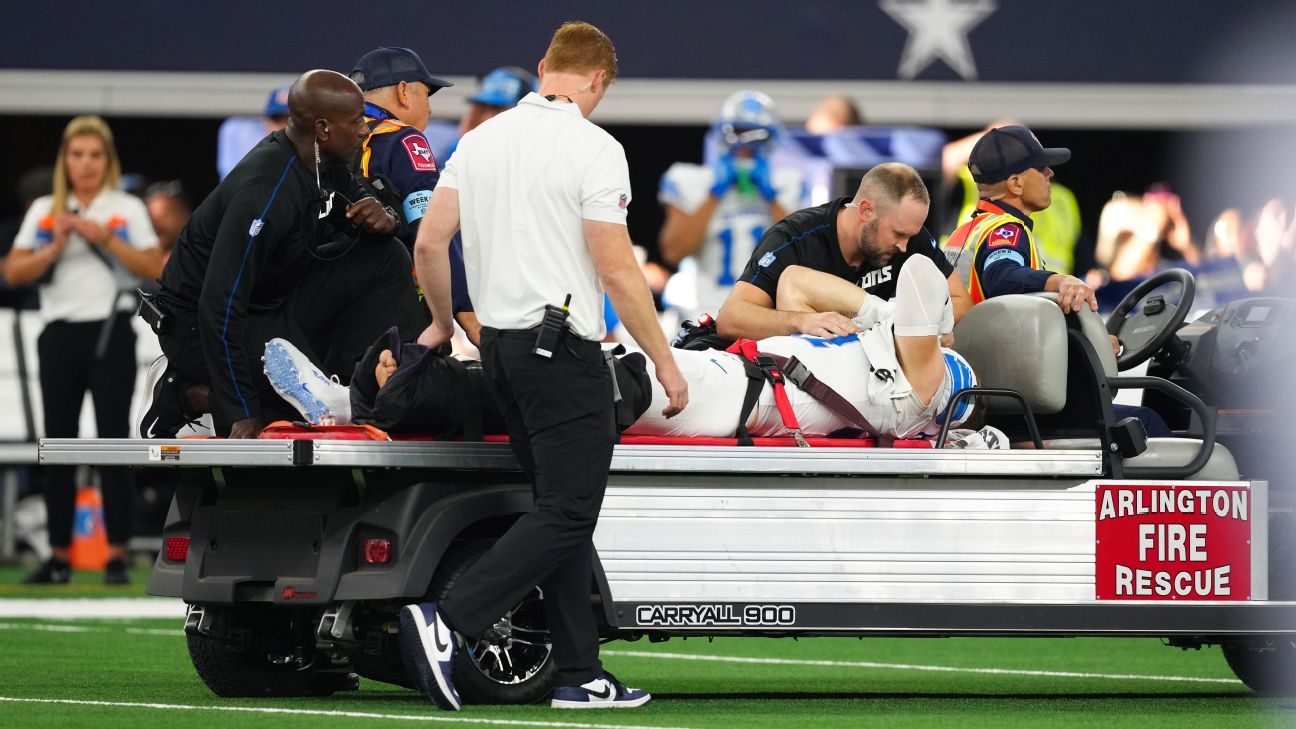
(284, 430)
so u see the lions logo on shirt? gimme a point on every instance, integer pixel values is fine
(875, 277)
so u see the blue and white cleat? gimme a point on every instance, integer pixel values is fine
(604, 692)
(319, 399)
(428, 648)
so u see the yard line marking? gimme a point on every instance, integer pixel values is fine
(913, 667)
(318, 712)
(117, 607)
(68, 628)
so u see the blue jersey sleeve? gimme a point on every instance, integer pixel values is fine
(459, 300)
(1003, 263)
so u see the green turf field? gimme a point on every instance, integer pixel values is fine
(138, 674)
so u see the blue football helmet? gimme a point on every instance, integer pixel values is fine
(748, 119)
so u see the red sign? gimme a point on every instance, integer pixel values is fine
(1173, 542)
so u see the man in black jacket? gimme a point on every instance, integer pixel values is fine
(227, 288)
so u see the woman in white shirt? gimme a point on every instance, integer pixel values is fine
(86, 245)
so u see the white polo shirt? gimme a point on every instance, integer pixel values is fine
(527, 179)
(83, 288)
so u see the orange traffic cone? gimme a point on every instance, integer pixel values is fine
(89, 538)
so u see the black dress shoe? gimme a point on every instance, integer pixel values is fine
(115, 573)
(54, 572)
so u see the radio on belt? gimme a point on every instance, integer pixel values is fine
(552, 329)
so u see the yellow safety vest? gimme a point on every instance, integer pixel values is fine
(1057, 227)
(966, 241)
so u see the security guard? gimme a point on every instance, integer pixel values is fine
(396, 156)
(995, 251)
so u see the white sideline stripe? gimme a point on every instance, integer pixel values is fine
(316, 712)
(914, 667)
(116, 607)
(56, 628)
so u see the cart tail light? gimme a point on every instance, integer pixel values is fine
(177, 548)
(377, 551)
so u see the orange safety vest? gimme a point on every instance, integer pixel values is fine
(966, 241)
(385, 126)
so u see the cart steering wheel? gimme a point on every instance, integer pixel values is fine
(1146, 324)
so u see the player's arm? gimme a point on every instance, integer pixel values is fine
(683, 233)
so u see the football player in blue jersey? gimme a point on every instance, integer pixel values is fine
(717, 213)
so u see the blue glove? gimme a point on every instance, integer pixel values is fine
(725, 175)
(760, 179)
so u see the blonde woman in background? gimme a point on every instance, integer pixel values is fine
(85, 245)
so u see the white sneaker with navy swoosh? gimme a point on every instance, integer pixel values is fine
(428, 649)
(604, 692)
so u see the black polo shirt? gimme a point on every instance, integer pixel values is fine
(808, 238)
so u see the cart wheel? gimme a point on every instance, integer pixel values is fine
(512, 663)
(1265, 665)
(240, 656)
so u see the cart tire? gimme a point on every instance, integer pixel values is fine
(482, 678)
(1266, 665)
(230, 670)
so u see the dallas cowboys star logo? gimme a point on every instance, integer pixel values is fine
(937, 30)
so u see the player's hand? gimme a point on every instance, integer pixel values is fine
(676, 387)
(246, 428)
(826, 324)
(370, 216)
(725, 175)
(1074, 293)
(947, 340)
(1115, 344)
(436, 335)
(761, 178)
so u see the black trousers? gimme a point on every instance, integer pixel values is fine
(66, 352)
(562, 428)
(344, 304)
(183, 347)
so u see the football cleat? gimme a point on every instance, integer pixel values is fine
(319, 399)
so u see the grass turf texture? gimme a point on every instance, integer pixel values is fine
(146, 661)
(83, 584)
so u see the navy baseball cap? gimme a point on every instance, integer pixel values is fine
(388, 66)
(277, 104)
(504, 87)
(1005, 151)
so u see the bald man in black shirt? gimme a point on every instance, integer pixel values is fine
(226, 289)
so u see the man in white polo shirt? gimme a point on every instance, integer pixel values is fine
(541, 195)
